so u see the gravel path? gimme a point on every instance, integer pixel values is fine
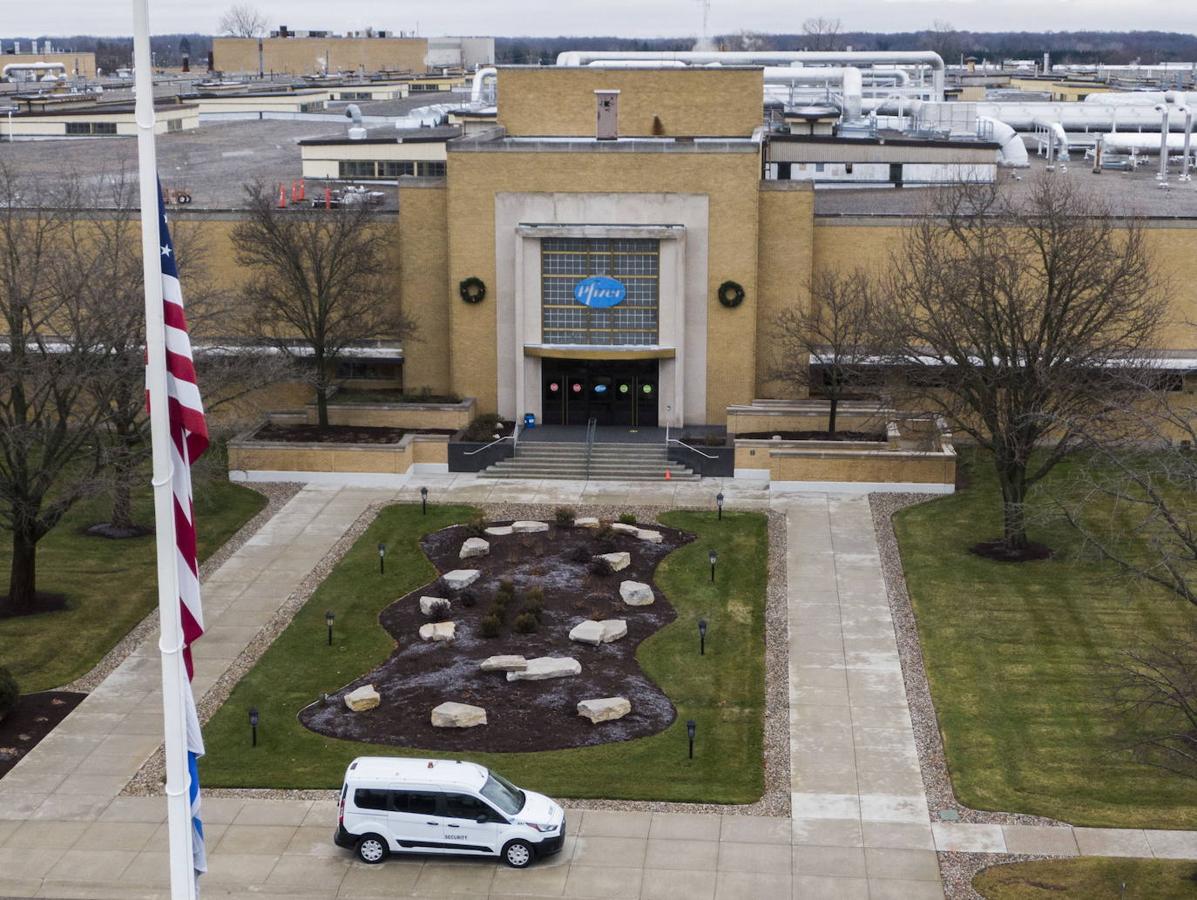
(776, 798)
(277, 494)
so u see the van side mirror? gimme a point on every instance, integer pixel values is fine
(482, 819)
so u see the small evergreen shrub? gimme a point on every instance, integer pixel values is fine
(468, 599)
(627, 518)
(526, 623)
(565, 515)
(490, 626)
(476, 526)
(600, 567)
(580, 554)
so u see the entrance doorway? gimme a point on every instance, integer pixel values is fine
(615, 392)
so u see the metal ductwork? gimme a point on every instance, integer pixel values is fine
(849, 78)
(855, 58)
(487, 73)
(1012, 153)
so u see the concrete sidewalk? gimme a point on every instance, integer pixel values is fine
(861, 827)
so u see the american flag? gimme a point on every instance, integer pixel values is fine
(188, 441)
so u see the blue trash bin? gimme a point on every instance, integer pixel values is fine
(529, 420)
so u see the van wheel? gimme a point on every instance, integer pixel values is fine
(372, 849)
(518, 854)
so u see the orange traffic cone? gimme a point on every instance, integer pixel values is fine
(303, 190)
(282, 197)
(668, 476)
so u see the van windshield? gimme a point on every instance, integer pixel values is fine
(503, 794)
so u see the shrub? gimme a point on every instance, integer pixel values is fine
(565, 515)
(503, 600)
(526, 623)
(490, 626)
(439, 612)
(535, 608)
(483, 428)
(535, 595)
(476, 527)
(468, 599)
(580, 554)
(9, 693)
(600, 567)
(507, 586)
(627, 518)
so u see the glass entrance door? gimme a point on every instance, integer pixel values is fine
(614, 392)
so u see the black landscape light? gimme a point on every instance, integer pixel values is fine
(424, 501)
(691, 727)
(713, 558)
(253, 726)
(702, 637)
(329, 618)
(719, 503)
(382, 558)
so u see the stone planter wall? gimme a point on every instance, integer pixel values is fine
(398, 415)
(804, 415)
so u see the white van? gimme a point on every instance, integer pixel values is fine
(389, 804)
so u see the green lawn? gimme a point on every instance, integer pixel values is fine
(723, 691)
(110, 585)
(1013, 653)
(1090, 878)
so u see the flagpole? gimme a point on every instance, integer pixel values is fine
(170, 642)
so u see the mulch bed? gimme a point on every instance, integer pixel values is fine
(815, 436)
(35, 716)
(521, 715)
(999, 552)
(339, 434)
(43, 602)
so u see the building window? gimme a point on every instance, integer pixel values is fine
(91, 128)
(635, 263)
(310, 107)
(356, 168)
(417, 87)
(432, 169)
(388, 169)
(174, 125)
(356, 95)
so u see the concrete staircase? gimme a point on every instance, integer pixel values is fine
(608, 462)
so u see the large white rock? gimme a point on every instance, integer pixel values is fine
(617, 561)
(647, 534)
(604, 632)
(428, 604)
(460, 579)
(363, 698)
(543, 667)
(472, 547)
(458, 715)
(503, 664)
(499, 530)
(586, 522)
(626, 529)
(526, 527)
(438, 631)
(604, 709)
(635, 593)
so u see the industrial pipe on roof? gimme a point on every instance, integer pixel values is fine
(849, 78)
(772, 58)
(1013, 152)
(483, 74)
(1058, 139)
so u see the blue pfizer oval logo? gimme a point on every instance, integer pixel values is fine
(600, 292)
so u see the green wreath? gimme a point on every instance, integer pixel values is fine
(472, 290)
(731, 294)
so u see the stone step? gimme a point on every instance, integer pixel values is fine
(581, 476)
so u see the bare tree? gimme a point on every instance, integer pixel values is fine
(946, 40)
(1018, 319)
(243, 20)
(49, 453)
(829, 346)
(108, 249)
(822, 32)
(317, 285)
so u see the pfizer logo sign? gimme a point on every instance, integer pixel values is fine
(600, 292)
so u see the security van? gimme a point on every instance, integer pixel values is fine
(392, 805)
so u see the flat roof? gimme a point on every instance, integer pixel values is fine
(388, 135)
(1125, 193)
(419, 771)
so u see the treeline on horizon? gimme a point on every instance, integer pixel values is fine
(1112, 47)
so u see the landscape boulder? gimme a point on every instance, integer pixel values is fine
(543, 667)
(460, 579)
(438, 631)
(586, 522)
(503, 664)
(624, 528)
(363, 698)
(429, 604)
(635, 593)
(604, 709)
(617, 561)
(526, 527)
(498, 530)
(473, 547)
(457, 715)
(604, 632)
(647, 534)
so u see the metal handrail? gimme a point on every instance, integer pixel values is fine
(670, 440)
(591, 431)
(514, 437)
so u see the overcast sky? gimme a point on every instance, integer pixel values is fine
(628, 18)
